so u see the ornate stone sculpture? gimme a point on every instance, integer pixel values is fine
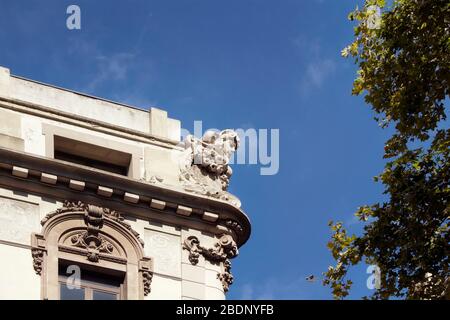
(93, 216)
(204, 165)
(93, 243)
(147, 278)
(222, 251)
(68, 206)
(38, 259)
(226, 277)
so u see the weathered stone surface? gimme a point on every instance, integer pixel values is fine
(193, 273)
(11, 123)
(18, 220)
(161, 166)
(18, 280)
(165, 249)
(11, 142)
(192, 289)
(164, 288)
(4, 82)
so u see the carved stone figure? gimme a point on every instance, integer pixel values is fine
(204, 165)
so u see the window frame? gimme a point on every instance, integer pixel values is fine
(136, 152)
(55, 245)
(90, 287)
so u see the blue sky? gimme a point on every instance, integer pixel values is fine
(232, 64)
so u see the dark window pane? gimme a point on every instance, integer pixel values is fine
(67, 293)
(92, 277)
(101, 295)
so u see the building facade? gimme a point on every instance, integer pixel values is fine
(99, 200)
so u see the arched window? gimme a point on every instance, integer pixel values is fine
(89, 252)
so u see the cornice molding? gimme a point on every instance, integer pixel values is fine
(24, 171)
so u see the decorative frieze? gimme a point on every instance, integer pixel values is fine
(165, 249)
(17, 220)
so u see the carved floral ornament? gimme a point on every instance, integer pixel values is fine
(91, 240)
(223, 250)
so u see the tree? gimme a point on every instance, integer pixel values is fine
(403, 54)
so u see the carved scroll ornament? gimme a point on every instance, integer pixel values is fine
(93, 216)
(222, 251)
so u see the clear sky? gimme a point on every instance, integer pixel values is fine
(231, 64)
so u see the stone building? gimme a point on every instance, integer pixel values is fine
(100, 200)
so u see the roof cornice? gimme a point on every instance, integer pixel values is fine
(169, 204)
